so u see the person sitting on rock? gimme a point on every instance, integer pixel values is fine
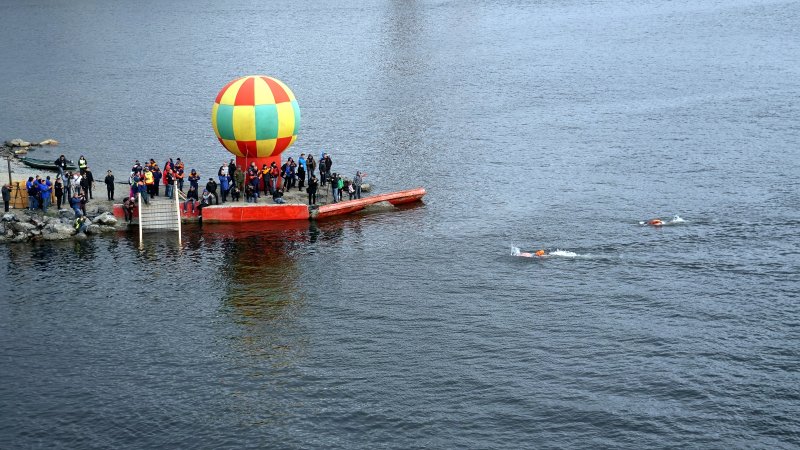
(80, 224)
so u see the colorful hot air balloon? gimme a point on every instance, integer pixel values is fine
(256, 118)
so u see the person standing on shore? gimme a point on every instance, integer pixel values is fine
(238, 178)
(157, 175)
(311, 166)
(334, 181)
(61, 164)
(75, 204)
(32, 187)
(301, 162)
(274, 176)
(76, 183)
(127, 207)
(312, 190)
(339, 186)
(58, 189)
(45, 191)
(266, 176)
(149, 180)
(322, 169)
(232, 169)
(194, 179)
(89, 176)
(328, 165)
(301, 176)
(142, 189)
(224, 183)
(6, 196)
(225, 187)
(82, 164)
(179, 175)
(84, 185)
(169, 186)
(358, 180)
(109, 181)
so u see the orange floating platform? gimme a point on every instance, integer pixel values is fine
(253, 212)
(350, 206)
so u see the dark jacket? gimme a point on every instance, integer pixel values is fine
(109, 180)
(6, 194)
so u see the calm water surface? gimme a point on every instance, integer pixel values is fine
(555, 125)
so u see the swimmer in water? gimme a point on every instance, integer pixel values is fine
(655, 222)
(538, 253)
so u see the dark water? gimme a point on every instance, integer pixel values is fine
(554, 125)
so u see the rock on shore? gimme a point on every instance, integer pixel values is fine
(22, 226)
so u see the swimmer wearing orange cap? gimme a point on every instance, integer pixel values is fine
(655, 222)
(531, 255)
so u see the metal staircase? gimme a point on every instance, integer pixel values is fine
(162, 214)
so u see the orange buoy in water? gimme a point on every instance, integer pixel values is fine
(539, 253)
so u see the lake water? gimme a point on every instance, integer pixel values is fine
(544, 124)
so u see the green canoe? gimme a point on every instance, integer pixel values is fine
(46, 165)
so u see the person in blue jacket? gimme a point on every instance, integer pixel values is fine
(33, 192)
(45, 191)
(75, 204)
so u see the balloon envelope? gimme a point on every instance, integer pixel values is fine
(256, 117)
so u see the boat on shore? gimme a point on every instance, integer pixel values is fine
(45, 164)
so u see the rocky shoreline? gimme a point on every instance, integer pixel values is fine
(23, 225)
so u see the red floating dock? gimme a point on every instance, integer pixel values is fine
(350, 206)
(254, 212)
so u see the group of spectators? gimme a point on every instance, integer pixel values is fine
(232, 183)
(68, 187)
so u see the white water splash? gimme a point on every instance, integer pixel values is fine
(564, 254)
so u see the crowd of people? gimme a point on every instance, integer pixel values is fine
(70, 188)
(233, 183)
